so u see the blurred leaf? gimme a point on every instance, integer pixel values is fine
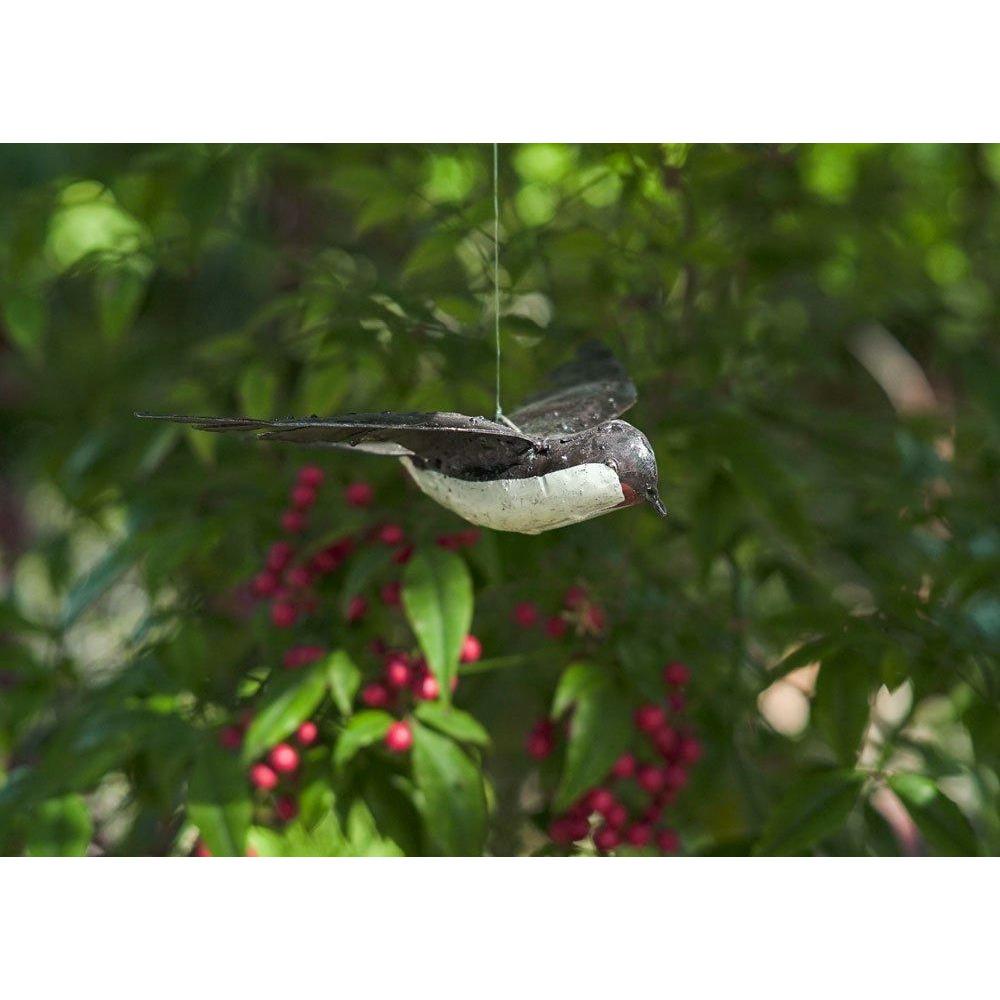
(577, 680)
(454, 798)
(120, 290)
(815, 807)
(452, 722)
(288, 701)
(437, 597)
(362, 730)
(344, 679)
(258, 390)
(842, 703)
(94, 584)
(599, 731)
(940, 822)
(25, 317)
(219, 802)
(60, 828)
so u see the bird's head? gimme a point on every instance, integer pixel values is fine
(631, 456)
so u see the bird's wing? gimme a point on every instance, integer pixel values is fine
(582, 393)
(449, 440)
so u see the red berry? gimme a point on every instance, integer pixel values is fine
(639, 834)
(283, 614)
(299, 577)
(310, 475)
(574, 597)
(427, 688)
(283, 758)
(390, 593)
(593, 618)
(649, 718)
(616, 816)
(231, 737)
(264, 584)
(674, 777)
(302, 656)
(606, 839)
(472, 650)
(303, 497)
(263, 777)
(448, 542)
(397, 671)
(668, 842)
(357, 608)
(391, 534)
(375, 695)
(286, 808)
(649, 778)
(579, 827)
(292, 521)
(278, 556)
(555, 627)
(399, 737)
(526, 614)
(402, 555)
(359, 494)
(201, 850)
(624, 767)
(539, 744)
(689, 750)
(325, 561)
(560, 830)
(600, 800)
(665, 740)
(676, 674)
(468, 537)
(306, 733)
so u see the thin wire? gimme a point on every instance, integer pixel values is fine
(496, 265)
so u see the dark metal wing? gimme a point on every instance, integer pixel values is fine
(451, 441)
(582, 393)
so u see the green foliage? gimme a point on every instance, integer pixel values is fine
(812, 330)
(218, 802)
(437, 595)
(598, 731)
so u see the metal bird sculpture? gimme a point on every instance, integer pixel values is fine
(561, 457)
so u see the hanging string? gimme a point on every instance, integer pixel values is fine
(496, 267)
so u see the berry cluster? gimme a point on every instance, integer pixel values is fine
(579, 612)
(406, 679)
(290, 580)
(628, 807)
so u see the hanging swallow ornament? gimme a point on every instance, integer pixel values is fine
(561, 457)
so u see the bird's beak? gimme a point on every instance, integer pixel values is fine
(657, 505)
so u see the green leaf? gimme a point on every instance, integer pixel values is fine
(60, 828)
(453, 795)
(219, 802)
(344, 679)
(288, 702)
(437, 597)
(576, 681)
(813, 808)
(120, 290)
(941, 823)
(362, 730)
(25, 317)
(452, 722)
(94, 584)
(842, 704)
(599, 731)
(258, 388)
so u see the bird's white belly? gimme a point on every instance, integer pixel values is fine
(529, 506)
